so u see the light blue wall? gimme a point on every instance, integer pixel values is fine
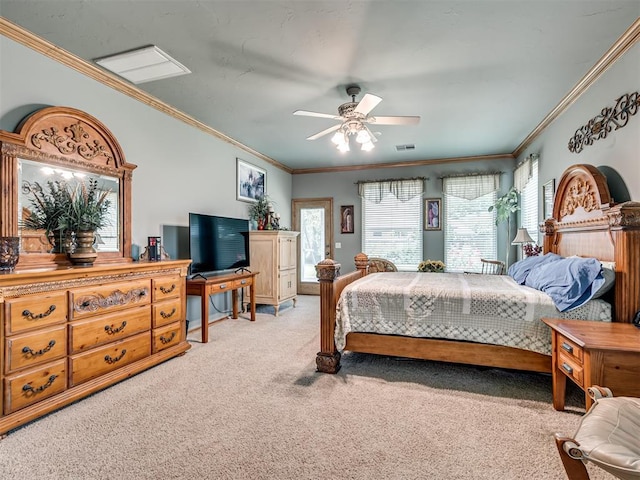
(341, 186)
(617, 155)
(180, 168)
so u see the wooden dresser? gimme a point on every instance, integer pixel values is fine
(274, 253)
(69, 332)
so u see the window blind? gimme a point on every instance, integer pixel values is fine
(529, 203)
(469, 226)
(392, 228)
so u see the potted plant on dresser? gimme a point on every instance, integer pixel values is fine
(76, 212)
(86, 212)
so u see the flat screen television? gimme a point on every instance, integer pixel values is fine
(217, 243)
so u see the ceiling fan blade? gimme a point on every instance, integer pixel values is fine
(367, 104)
(324, 132)
(316, 114)
(394, 120)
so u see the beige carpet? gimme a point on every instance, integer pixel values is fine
(249, 405)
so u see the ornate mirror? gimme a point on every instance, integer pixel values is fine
(66, 145)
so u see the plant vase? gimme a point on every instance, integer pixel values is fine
(81, 252)
(57, 241)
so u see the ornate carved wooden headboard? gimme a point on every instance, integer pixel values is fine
(587, 223)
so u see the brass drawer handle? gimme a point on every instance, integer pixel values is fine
(33, 316)
(168, 315)
(110, 330)
(168, 290)
(112, 360)
(567, 347)
(567, 368)
(35, 353)
(41, 388)
(166, 340)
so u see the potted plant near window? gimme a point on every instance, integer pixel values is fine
(505, 206)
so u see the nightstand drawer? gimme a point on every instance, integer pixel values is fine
(571, 368)
(569, 349)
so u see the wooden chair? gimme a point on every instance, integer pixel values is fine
(492, 267)
(608, 436)
(381, 265)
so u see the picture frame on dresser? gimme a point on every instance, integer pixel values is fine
(251, 181)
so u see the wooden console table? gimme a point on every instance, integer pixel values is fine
(203, 287)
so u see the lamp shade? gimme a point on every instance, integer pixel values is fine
(522, 237)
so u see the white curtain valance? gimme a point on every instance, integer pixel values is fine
(472, 186)
(403, 189)
(522, 174)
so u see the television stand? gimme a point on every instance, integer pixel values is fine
(205, 286)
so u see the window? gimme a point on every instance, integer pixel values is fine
(469, 226)
(392, 221)
(529, 203)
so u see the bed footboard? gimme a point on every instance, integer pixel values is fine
(331, 286)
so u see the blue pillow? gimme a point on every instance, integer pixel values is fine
(569, 282)
(519, 270)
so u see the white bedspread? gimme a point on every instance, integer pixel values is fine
(491, 309)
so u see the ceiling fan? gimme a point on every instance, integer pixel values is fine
(354, 120)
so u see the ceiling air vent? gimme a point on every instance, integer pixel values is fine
(143, 65)
(402, 148)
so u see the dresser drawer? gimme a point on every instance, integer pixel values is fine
(23, 389)
(91, 332)
(30, 349)
(167, 336)
(107, 298)
(167, 287)
(167, 312)
(26, 313)
(569, 349)
(102, 360)
(572, 369)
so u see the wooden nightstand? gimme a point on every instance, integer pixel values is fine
(594, 353)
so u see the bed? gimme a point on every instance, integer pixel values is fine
(585, 223)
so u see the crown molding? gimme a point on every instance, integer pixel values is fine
(30, 40)
(414, 163)
(40, 45)
(624, 43)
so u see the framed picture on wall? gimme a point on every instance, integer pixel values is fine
(548, 192)
(251, 181)
(346, 219)
(432, 214)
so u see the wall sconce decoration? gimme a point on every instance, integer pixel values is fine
(599, 126)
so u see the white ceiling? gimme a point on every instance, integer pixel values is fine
(482, 74)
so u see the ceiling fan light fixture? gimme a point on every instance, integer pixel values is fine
(368, 146)
(363, 136)
(344, 147)
(338, 137)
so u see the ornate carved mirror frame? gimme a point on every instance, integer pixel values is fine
(63, 137)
